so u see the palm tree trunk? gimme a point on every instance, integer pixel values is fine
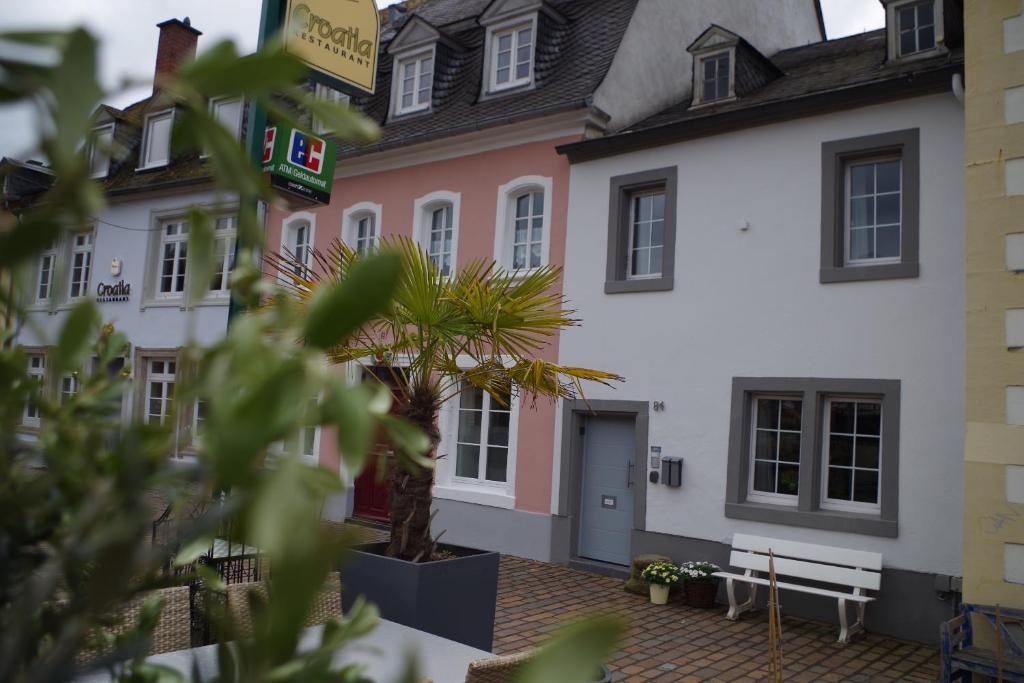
(412, 491)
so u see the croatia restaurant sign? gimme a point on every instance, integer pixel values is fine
(299, 163)
(338, 38)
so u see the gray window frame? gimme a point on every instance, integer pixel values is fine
(835, 156)
(622, 189)
(808, 511)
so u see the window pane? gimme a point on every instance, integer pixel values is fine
(767, 413)
(888, 174)
(887, 242)
(888, 209)
(789, 447)
(640, 262)
(642, 235)
(840, 450)
(538, 229)
(470, 423)
(791, 415)
(862, 211)
(764, 477)
(535, 256)
(519, 257)
(766, 445)
(869, 418)
(862, 180)
(840, 483)
(865, 489)
(472, 398)
(867, 452)
(655, 266)
(497, 464)
(925, 14)
(789, 479)
(926, 38)
(658, 206)
(467, 461)
(497, 430)
(523, 206)
(504, 60)
(658, 233)
(907, 45)
(860, 244)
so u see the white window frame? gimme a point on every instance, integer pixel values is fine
(633, 197)
(165, 379)
(847, 201)
(147, 160)
(99, 150)
(36, 372)
(398, 81)
(423, 209)
(504, 219)
(196, 441)
(512, 27)
(713, 52)
(351, 217)
(326, 93)
(235, 126)
(893, 30)
(180, 242)
(290, 228)
(772, 498)
(47, 257)
(715, 56)
(489, 405)
(225, 232)
(85, 250)
(826, 429)
(70, 385)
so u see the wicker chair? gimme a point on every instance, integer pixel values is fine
(498, 670)
(327, 605)
(173, 629)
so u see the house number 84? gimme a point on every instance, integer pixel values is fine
(659, 406)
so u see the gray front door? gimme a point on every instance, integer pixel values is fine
(606, 503)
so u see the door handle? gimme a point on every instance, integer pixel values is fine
(629, 475)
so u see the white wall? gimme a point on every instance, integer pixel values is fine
(750, 304)
(152, 326)
(652, 69)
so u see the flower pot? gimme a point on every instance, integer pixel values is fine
(453, 598)
(659, 594)
(701, 594)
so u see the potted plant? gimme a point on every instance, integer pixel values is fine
(497, 321)
(660, 576)
(700, 586)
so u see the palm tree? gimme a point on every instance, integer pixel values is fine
(497, 320)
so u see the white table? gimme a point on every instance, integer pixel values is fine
(383, 652)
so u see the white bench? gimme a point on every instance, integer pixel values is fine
(857, 571)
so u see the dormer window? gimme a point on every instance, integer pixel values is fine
(915, 27)
(99, 151)
(415, 79)
(326, 93)
(715, 76)
(156, 140)
(228, 112)
(512, 57)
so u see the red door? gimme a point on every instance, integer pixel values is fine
(373, 493)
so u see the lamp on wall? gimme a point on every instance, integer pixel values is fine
(115, 267)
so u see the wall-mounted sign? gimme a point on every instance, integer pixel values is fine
(299, 163)
(337, 38)
(122, 291)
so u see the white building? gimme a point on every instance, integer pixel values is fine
(132, 258)
(776, 265)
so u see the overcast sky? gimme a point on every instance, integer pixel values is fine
(128, 39)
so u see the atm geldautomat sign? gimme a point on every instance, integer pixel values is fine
(339, 38)
(299, 163)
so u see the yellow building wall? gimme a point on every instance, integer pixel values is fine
(990, 520)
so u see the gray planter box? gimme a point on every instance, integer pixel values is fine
(454, 599)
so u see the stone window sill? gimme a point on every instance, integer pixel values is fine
(656, 284)
(831, 520)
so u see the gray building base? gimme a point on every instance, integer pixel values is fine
(907, 607)
(513, 532)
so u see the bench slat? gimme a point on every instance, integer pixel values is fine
(808, 551)
(795, 587)
(812, 571)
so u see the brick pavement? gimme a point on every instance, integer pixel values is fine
(678, 643)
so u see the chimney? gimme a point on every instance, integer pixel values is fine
(177, 45)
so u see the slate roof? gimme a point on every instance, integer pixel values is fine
(571, 62)
(814, 77)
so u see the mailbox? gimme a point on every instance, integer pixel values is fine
(672, 472)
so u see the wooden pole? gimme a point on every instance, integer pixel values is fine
(774, 623)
